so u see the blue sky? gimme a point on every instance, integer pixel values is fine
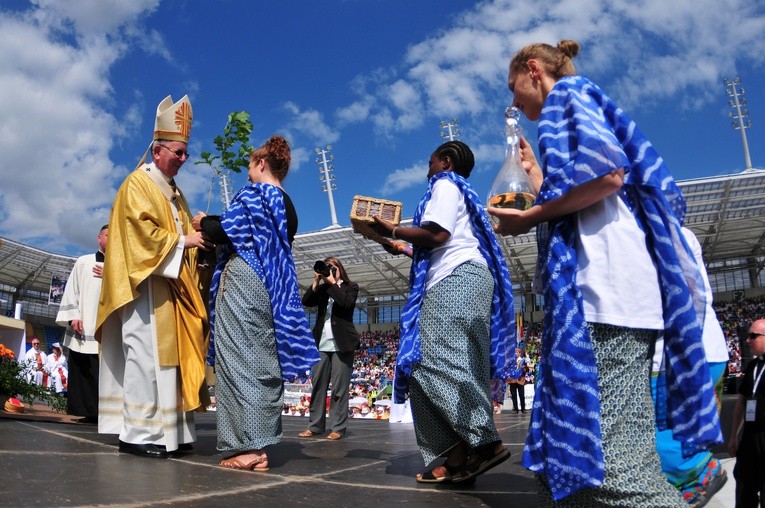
(80, 81)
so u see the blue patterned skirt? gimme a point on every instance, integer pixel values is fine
(633, 475)
(249, 386)
(449, 388)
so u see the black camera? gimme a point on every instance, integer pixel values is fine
(323, 268)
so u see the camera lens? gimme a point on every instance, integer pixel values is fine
(321, 268)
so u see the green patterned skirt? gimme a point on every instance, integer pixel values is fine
(449, 388)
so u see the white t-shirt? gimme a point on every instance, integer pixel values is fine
(447, 209)
(617, 277)
(712, 336)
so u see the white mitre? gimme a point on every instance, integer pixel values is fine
(172, 122)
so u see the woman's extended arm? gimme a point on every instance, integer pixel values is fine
(429, 235)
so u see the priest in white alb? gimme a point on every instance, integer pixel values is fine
(77, 312)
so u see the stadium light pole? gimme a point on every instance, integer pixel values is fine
(225, 188)
(327, 178)
(449, 129)
(738, 114)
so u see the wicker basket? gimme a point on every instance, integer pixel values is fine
(364, 208)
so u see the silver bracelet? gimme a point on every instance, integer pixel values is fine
(393, 233)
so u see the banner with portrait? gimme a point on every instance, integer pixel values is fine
(57, 285)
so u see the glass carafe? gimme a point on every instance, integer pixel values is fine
(512, 187)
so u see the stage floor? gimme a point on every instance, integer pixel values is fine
(44, 463)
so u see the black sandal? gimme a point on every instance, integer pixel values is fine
(429, 477)
(481, 461)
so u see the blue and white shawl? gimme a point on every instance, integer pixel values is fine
(502, 311)
(583, 135)
(256, 224)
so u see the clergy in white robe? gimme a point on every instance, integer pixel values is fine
(58, 370)
(77, 312)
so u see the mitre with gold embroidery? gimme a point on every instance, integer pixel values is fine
(173, 121)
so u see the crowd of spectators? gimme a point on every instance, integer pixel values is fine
(371, 379)
(734, 316)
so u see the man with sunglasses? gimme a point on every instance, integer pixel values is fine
(152, 322)
(749, 448)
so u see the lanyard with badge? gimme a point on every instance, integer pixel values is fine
(751, 404)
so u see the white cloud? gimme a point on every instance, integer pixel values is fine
(310, 124)
(402, 179)
(301, 157)
(640, 53)
(92, 16)
(151, 42)
(356, 112)
(406, 99)
(55, 130)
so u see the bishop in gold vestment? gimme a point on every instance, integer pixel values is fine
(152, 321)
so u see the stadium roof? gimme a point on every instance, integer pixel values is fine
(726, 213)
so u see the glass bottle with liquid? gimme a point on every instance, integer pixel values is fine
(512, 187)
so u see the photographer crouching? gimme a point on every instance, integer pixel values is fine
(334, 294)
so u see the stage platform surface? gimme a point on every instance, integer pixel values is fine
(59, 463)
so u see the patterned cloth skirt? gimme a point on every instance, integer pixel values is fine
(449, 388)
(249, 386)
(633, 475)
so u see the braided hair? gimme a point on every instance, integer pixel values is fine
(460, 155)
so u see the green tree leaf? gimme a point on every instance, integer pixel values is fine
(233, 148)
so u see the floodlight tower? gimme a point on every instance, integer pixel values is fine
(327, 178)
(449, 129)
(225, 188)
(738, 114)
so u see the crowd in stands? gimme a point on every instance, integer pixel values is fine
(734, 316)
(371, 380)
(375, 360)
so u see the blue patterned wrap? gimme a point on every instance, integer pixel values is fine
(503, 337)
(256, 224)
(583, 135)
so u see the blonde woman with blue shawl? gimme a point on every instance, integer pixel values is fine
(260, 335)
(457, 328)
(612, 269)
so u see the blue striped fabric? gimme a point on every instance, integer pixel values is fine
(583, 135)
(256, 224)
(503, 336)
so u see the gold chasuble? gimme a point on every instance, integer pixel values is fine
(142, 235)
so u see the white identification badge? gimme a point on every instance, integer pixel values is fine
(751, 408)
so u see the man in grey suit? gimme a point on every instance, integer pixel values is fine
(337, 339)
